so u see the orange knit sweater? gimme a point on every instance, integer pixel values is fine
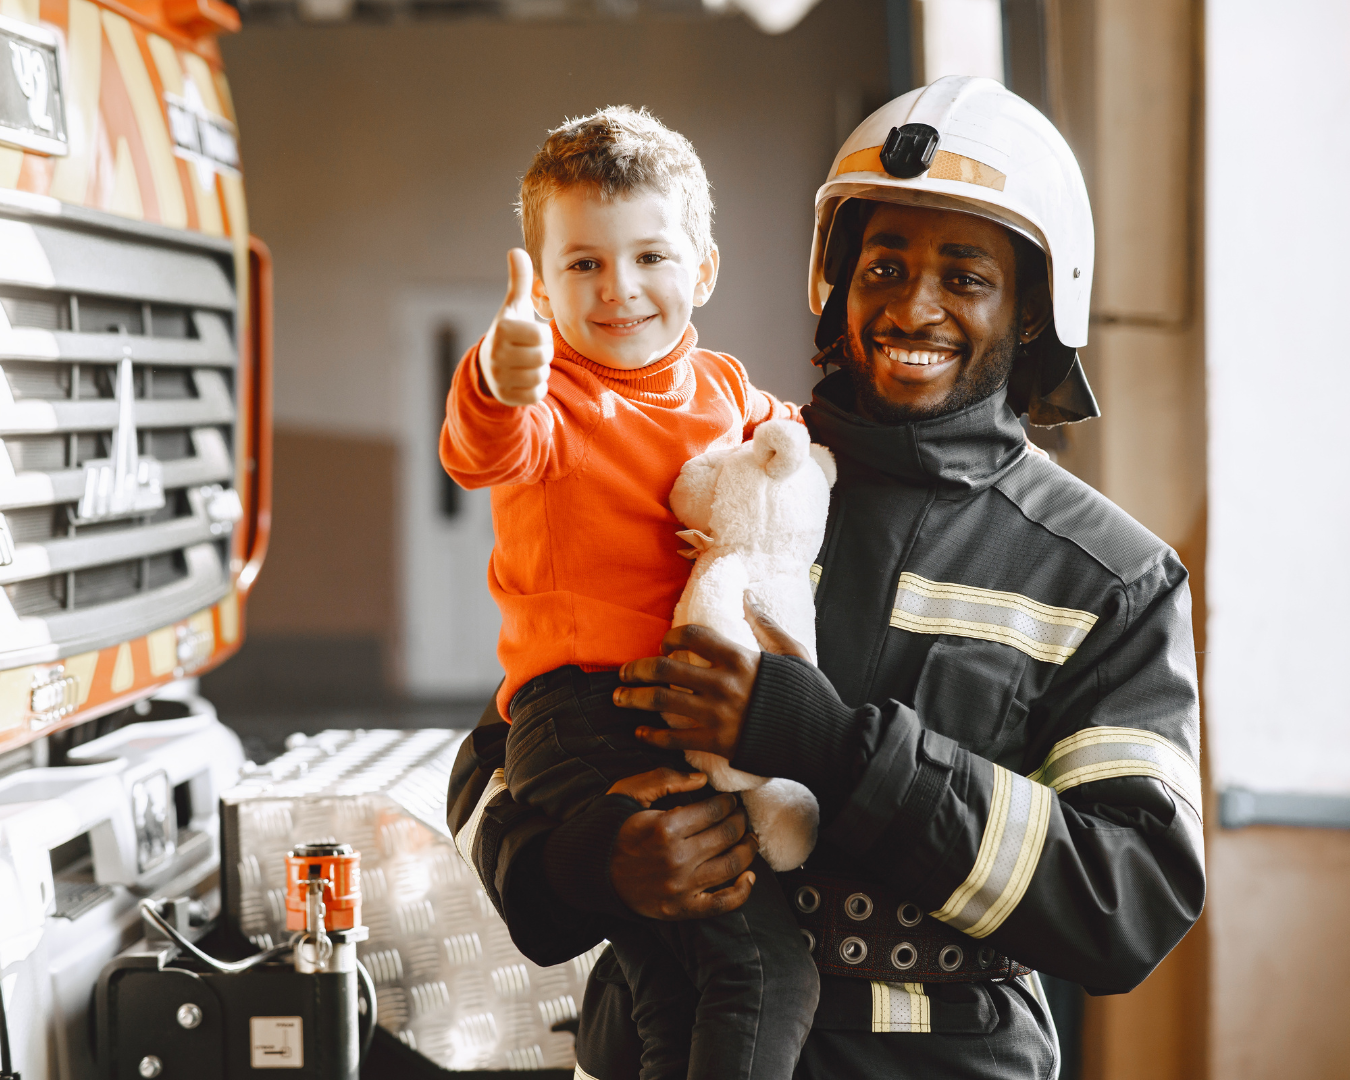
(586, 567)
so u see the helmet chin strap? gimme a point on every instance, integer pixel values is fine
(825, 357)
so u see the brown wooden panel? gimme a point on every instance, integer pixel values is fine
(330, 566)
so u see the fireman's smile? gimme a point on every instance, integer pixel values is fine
(920, 360)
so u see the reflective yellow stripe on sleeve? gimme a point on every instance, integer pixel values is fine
(1043, 632)
(815, 572)
(468, 836)
(1014, 834)
(1105, 752)
(901, 1007)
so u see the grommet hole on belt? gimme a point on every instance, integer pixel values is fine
(951, 957)
(904, 956)
(853, 950)
(807, 899)
(858, 907)
(809, 938)
(909, 914)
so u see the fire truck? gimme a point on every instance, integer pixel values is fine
(135, 432)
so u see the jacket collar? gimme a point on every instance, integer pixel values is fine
(960, 452)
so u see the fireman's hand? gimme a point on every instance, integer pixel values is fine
(515, 356)
(705, 706)
(669, 864)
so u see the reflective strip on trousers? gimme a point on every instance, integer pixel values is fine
(1047, 633)
(1014, 834)
(468, 836)
(901, 1007)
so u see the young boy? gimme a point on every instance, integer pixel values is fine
(581, 429)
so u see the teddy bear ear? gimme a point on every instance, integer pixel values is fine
(780, 447)
(825, 460)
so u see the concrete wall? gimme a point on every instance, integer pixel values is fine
(384, 158)
(382, 163)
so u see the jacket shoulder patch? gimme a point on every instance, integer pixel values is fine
(1058, 501)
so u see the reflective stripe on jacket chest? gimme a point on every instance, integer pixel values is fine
(1042, 631)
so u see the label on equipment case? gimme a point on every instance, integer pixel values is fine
(278, 1042)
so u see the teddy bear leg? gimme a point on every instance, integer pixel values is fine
(785, 817)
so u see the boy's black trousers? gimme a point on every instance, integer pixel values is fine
(728, 997)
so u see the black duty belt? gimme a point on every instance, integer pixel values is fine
(867, 931)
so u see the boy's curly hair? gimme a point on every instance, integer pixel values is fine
(615, 152)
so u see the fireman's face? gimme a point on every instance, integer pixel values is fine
(621, 277)
(934, 318)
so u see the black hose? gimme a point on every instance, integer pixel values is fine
(224, 967)
(366, 1024)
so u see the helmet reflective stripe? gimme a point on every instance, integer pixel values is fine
(997, 157)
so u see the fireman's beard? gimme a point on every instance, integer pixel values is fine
(974, 382)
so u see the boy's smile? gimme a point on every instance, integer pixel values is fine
(620, 277)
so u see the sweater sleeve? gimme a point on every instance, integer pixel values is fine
(485, 443)
(1090, 868)
(762, 406)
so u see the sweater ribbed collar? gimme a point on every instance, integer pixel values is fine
(668, 382)
(963, 451)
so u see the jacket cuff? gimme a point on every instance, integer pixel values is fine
(796, 727)
(577, 856)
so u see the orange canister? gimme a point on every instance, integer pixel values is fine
(339, 867)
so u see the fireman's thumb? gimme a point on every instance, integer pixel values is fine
(517, 304)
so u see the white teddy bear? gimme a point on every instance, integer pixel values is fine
(756, 519)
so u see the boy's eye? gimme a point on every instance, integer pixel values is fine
(584, 265)
(650, 258)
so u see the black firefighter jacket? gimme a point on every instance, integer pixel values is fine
(1004, 725)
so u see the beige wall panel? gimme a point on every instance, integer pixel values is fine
(1144, 144)
(1281, 953)
(330, 563)
(1152, 431)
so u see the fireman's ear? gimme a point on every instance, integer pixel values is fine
(539, 295)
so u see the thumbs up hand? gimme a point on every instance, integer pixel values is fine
(516, 354)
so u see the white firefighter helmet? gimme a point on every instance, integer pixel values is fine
(971, 145)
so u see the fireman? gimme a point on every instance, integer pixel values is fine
(1003, 728)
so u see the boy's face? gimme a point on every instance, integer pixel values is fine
(621, 278)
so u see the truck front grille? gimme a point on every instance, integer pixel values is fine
(118, 361)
